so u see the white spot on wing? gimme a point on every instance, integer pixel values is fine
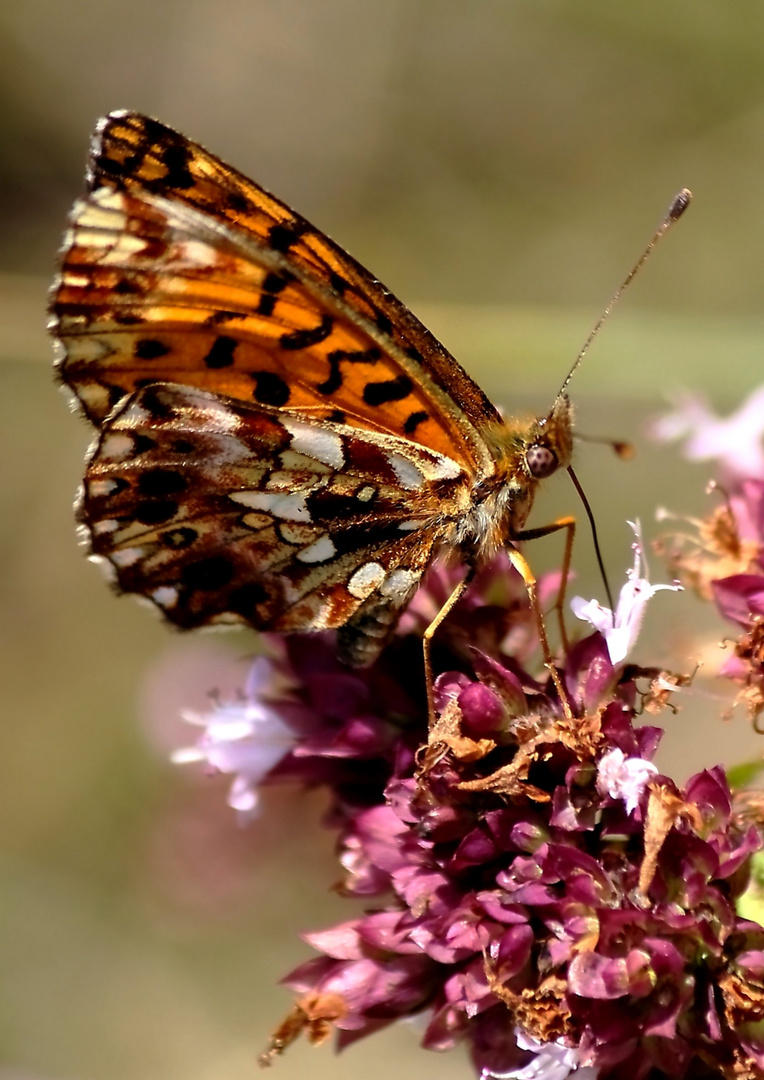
(314, 442)
(89, 350)
(133, 415)
(366, 493)
(99, 214)
(196, 253)
(399, 584)
(165, 596)
(102, 528)
(290, 507)
(319, 551)
(116, 250)
(406, 471)
(97, 489)
(116, 447)
(94, 396)
(126, 556)
(410, 526)
(445, 469)
(221, 417)
(105, 197)
(76, 281)
(365, 580)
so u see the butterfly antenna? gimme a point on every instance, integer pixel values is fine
(595, 538)
(679, 204)
(621, 448)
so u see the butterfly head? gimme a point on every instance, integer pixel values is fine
(549, 441)
(528, 451)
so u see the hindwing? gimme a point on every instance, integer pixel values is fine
(218, 511)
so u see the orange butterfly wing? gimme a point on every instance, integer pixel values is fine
(177, 268)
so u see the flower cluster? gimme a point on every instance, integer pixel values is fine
(537, 890)
(722, 558)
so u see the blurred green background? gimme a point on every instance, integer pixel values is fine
(498, 164)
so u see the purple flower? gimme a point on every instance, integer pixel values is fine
(736, 441)
(620, 629)
(537, 891)
(724, 562)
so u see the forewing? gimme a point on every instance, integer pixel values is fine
(178, 268)
(222, 512)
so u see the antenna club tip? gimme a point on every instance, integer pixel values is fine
(679, 204)
(624, 450)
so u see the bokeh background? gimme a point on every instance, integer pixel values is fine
(498, 164)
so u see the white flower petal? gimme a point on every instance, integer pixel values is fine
(245, 737)
(553, 1061)
(621, 629)
(623, 777)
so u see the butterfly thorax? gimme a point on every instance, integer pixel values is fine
(525, 452)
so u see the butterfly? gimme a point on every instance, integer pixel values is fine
(279, 441)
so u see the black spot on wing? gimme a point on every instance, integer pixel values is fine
(238, 202)
(338, 283)
(179, 538)
(183, 446)
(270, 388)
(329, 506)
(273, 284)
(282, 236)
(116, 393)
(142, 444)
(380, 393)
(212, 573)
(355, 537)
(414, 420)
(334, 381)
(155, 512)
(383, 322)
(221, 352)
(126, 287)
(117, 170)
(158, 483)
(340, 356)
(266, 305)
(246, 598)
(303, 339)
(150, 131)
(175, 157)
(156, 403)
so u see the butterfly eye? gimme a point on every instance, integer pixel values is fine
(541, 461)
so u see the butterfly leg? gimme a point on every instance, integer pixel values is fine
(428, 635)
(569, 524)
(520, 564)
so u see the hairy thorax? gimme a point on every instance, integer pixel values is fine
(524, 453)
